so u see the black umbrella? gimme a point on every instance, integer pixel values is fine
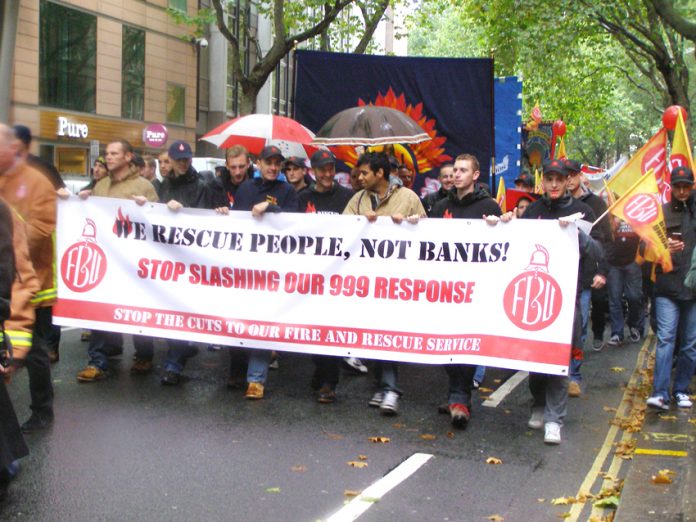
(370, 125)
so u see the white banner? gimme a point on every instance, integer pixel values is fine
(440, 291)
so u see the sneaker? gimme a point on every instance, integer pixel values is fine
(170, 378)
(615, 340)
(37, 422)
(536, 421)
(634, 335)
(658, 402)
(552, 433)
(574, 389)
(326, 395)
(476, 384)
(460, 415)
(376, 400)
(390, 403)
(91, 374)
(274, 361)
(141, 367)
(354, 365)
(254, 391)
(444, 408)
(683, 400)
(598, 344)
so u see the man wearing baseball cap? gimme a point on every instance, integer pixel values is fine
(550, 392)
(324, 196)
(295, 170)
(675, 304)
(525, 182)
(260, 195)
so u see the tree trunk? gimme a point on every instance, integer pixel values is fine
(247, 102)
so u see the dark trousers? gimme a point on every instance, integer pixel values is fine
(600, 309)
(12, 446)
(328, 370)
(38, 364)
(461, 380)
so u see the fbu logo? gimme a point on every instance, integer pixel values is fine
(83, 264)
(533, 300)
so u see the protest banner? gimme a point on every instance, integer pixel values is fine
(439, 291)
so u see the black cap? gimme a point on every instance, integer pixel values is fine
(572, 165)
(269, 151)
(23, 134)
(526, 179)
(180, 150)
(138, 160)
(682, 175)
(322, 157)
(295, 160)
(555, 165)
(393, 162)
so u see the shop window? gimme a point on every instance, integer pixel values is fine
(72, 161)
(179, 5)
(133, 75)
(67, 58)
(176, 101)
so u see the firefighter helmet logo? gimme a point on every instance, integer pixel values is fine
(83, 264)
(533, 299)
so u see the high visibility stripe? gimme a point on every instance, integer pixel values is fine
(19, 338)
(44, 295)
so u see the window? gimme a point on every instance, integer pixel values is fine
(133, 75)
(67, 58)
(179, 5)
(176, 101)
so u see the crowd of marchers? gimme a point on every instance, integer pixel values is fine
(617, 295)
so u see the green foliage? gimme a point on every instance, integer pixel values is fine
(570, 65)
(198, 23)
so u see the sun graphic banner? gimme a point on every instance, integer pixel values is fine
(450, 98)
(504, 296)
(641, 207)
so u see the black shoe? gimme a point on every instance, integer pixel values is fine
(37, 422)
(170, 378)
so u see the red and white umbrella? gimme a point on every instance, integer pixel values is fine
(255, 131)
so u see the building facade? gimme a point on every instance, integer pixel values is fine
(87, 72)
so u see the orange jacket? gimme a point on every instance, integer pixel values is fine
(31, 194)
(19, 326)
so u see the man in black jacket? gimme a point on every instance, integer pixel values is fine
(446, 179)
(465, 200)
(184, 188)
(550, 392)
(675, 305)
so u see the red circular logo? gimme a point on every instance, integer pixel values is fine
(83, 266)
(678, 160)
(533, 300)
(654, 158)
(641, 209)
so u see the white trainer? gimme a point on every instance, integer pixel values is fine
(376, 400)
(536, 421)
(552, 433)
(390, 403)
(683, 400)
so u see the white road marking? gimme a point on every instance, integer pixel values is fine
(376, 491)
(70, 328)
(498, 395)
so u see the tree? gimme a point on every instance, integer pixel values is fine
(293, 22)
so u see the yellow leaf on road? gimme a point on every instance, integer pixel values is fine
(351, 493)
(495, 518)
(357, 464)
(493, 460)
(362, 457)
(379, 440)
(299, 469)
(428, 436)
(668, 417)
(664, 476)
(562, 501)
(617, 369)
(483, 389)
(692, 421)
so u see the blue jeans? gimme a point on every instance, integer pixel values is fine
(480, 374)
(179, 352)
(575, 364)
(672, 317)
(461, 380)
(103, 345)
(625, 280)
(257, 370)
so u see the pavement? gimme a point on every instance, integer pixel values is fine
(128, 448)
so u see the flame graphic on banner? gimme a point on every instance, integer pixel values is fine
(447, 214)
(122, 225)
(421, 157)
(311, 209)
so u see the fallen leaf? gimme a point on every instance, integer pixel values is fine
(351, 493)
(485, 390)
(541, 500)
(507, 412)
(668, 417)
(362, 457)
(564, 515)
(398, 425)
(428, 436)
(497, 381)
(562, 501)
(272, 490)
(495, 518)
(493, 460)
(664, 476)
(611, 502)
(372, 500)
(607, 408)
(380, 440)
(334, 436)
(357, 464)
(299, 469)
(450, 434)
(692, 421)
(617, 369)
